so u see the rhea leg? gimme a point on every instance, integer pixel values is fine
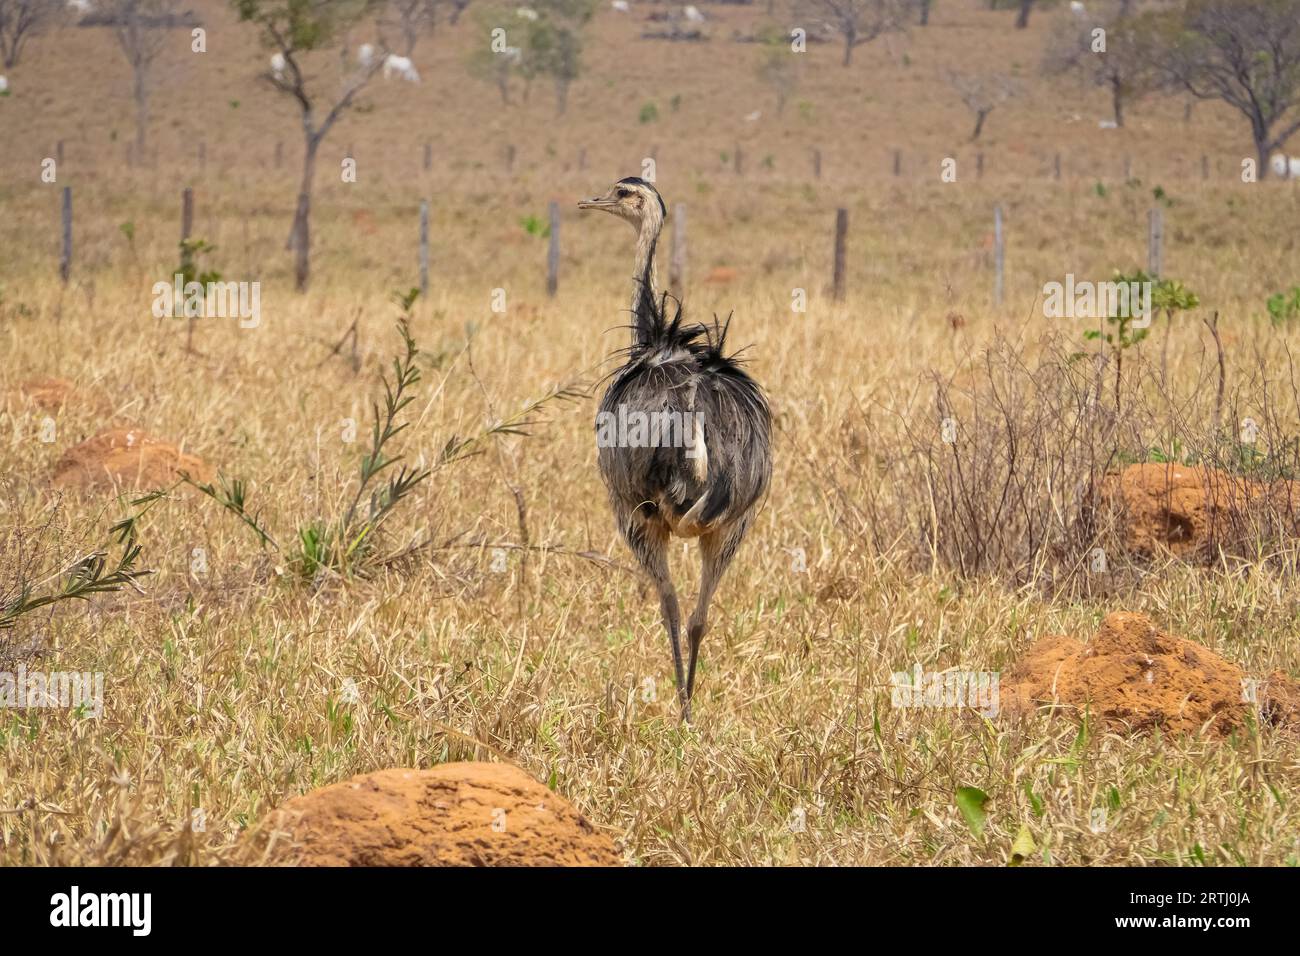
(717, 548)
(649, 543)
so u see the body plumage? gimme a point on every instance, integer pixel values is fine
(707, 480)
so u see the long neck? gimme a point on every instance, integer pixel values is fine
(645, 286)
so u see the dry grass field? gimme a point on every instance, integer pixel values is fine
(238, 685)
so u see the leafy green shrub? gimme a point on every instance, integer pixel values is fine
(1167, 296)
(536, 226)
(1284, 306)
(191, 251)
(346, 544)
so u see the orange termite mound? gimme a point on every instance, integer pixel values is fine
(1181, 508)
(50, 394)
(455, 814)
(126, 458)
(1133, 677)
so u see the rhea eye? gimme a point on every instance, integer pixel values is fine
(624, 193)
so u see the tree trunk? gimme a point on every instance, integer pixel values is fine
(1259, 133)
(980, 117)
(561, 96)
(302, 216)
(1117, 100)
(1022, 18)
(850, 38)
(1262, 150)
(140, 91)
(925, 13)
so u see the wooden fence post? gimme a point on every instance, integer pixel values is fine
(65, 260)
(677, 266)
(187, 227)
(424, 248)
(553, 252)
(1155, 241)
(187, 212)
(999, 254)
(841, 238)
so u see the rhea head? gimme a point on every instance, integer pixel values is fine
(634, 201)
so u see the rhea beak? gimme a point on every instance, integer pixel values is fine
(596, 203)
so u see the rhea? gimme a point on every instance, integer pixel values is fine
(696, 460)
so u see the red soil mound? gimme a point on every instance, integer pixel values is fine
(1180, 508)
(126, 457)
(456, 814)
(1134, 677)
(50, 394)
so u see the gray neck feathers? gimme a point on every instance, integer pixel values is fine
(646, 281)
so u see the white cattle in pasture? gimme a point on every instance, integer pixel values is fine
(402, 66)
(620, 5)
(693, 14)
(366, 54)
(1285, 167)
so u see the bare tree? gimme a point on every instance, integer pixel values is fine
(1022, 13)
(1244, 53)
(141, 28)
(861, 21)
(779, 70)
(1109, 47)
(982, 94)
(295, 29)
(552, 44)
(497, 68)
(20, 20)
(412, 19)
